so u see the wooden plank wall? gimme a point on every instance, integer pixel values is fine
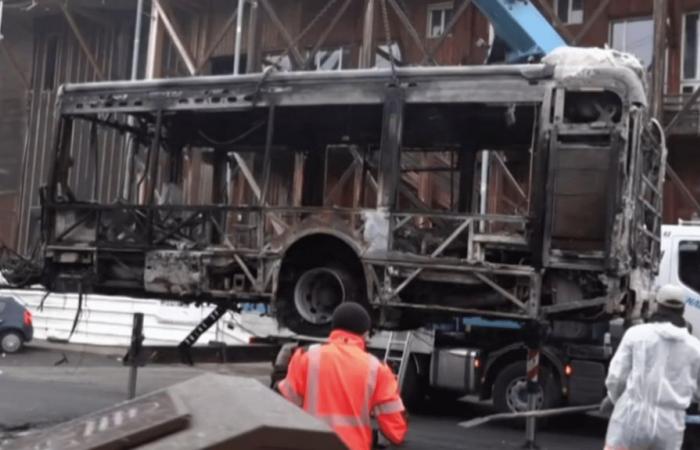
(15, 64)
(58, 59)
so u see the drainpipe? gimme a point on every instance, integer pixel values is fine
(239, 34)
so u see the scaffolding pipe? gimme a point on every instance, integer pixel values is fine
(137, 41)
(2, 6)
(131, 146)
(239, 34)
(483, 187)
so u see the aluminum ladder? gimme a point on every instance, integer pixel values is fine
(404, 356)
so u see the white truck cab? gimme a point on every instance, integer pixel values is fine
(680, 264)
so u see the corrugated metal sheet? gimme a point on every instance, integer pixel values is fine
(108, 320)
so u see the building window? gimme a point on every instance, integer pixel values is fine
(569, 11)
(691, 71)
(635, 36)
(688, 261)
(332, 59)
(282, 62)
(223, 65)
(384, 53)
(439, 15)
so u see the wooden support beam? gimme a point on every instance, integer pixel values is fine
(509, 175)
(322, 39)
(216, 42)
(406, 21)
(659, 69)
(10, 56)
(670, 172)
(550, 15)
(340, 184)
(168, 18)
(297, 58)
(278, 224)
(155, 45)
(448, 29)
(367, 49)
(602, 6)
(687, 106)
(81, 41)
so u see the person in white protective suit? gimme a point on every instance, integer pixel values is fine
(652, 380)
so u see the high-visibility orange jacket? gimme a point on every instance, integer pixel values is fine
(343, 385)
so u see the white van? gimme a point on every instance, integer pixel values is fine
(680, 264)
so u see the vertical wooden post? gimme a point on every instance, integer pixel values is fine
(367, 49)
(82, 42)
(658, 78)
(167, 18)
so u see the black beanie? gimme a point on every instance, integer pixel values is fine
(351, 317)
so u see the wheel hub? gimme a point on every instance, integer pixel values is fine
(10, 343)
(516, 395)
(317, 293)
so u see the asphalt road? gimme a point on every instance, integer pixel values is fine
(36, 393)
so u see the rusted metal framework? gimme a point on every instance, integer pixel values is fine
(508, 191)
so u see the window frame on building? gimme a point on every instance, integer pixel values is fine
(381, 62)
(626, 21)
(573, 16)
(345, 61)
(281, 60)
(446, 9)
(688, 85)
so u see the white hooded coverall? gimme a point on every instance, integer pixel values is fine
(652, 380)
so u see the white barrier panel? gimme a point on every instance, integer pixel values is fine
(107, 320)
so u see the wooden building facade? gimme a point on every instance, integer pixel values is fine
(47, 43)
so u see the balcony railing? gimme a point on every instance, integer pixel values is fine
(689, 123)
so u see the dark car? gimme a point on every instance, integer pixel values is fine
(15, 325)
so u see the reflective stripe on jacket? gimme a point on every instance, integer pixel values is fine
(343, 385)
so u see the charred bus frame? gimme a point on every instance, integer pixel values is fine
(577, 148)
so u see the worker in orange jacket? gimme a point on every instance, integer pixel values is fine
(343, 385)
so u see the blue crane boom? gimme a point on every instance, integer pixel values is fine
(522, 27)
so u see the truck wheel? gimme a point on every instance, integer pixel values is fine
(11, 342)
(510, 389)
(305, 305)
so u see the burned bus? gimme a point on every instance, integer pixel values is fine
(523, 192)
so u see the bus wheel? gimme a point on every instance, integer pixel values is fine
(306, 304)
